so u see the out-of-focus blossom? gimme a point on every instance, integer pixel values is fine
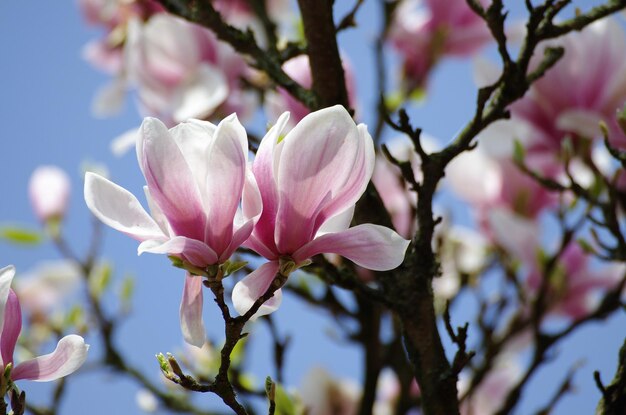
(299, 70)
(179, 70)
(310, 180)
(423, 32)
(388, 392)
(595, 62)
(492, 391)
(462, 251)
(182, 71)
(240, 14)
(146, 401)
(68, 356)
(574, 284)
(487, 183)
(44, 288)
(323, 395)
(196, 176)
(49, 191)
(113, 15)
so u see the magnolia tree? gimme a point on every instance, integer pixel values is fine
(452, 314)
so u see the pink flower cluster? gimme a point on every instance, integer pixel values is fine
(178, 69)
(296, 200)
(423, 32)
(510, 205)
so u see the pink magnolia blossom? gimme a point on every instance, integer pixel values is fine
(323, 395)
(182, 71)
(487, 182)
(69, 355)
(575, 284)
(299, 70)
(196, 176)
(49, 191)
(424, 32)
(113, 15)
(493, 390)
(310, 180)
(595, 62)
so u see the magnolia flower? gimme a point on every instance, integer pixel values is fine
(310, 180)
(487, 182)
(494, 388)
(323, 395)
(49, 190)
(594, 61)
(575, 286)
(68, 356)
(182, 71)
(47, 285)
(575, 283)
(424, 33)
(196, 177)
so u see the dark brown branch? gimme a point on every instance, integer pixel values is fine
(329, 82)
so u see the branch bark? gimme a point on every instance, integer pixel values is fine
(329, 82)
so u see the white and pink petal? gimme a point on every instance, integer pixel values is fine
(69, 355)
(191, 322)
(371, 246)
(253, 286)
(119, 209)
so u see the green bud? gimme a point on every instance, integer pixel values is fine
(163, 363)
(286, 266)
(230, 267)
(270, 388)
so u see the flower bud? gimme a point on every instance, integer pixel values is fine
(49, 191)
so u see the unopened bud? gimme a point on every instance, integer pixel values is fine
(49, 190)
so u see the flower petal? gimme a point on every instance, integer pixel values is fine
(119, 209)
(192, 250)
(191, 322)
(200, 97)
(253, 286)
(371, 246)
(324, 167)
(6, 276)
(227, 158)
(11, 329)
(69, 355)
(516, 234)
(263, 169)
(170, 180)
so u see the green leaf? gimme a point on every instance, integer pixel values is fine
(127, 289)
(230, 267)
(19, 235)
(586, 246)
(100, 279)
(75, 316)
(285, 404)
(519, 152)
(238, 352)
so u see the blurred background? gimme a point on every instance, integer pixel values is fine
(47, 89)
